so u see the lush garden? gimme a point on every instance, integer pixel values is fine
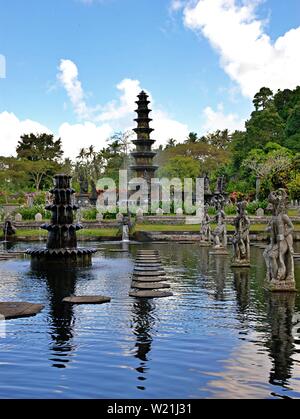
(265, 156)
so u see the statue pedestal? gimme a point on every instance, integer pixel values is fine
(83, 200)
(204, 244)
(219, 251)
(240, 265)
(281, 286)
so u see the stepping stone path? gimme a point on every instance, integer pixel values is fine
(148, 276)
(149, 285)
(87, 299)
(14, 310)
(150, 294)
(147, 273)
(118, 251)
(148, 279)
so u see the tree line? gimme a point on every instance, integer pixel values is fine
(265, 155)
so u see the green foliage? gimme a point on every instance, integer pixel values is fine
(293, 143)
(293, 122)
(263, 98)
(89, 214)
(230, 209)
(30, 213)
(294, 187)
(40, 199)
(252, 207)
(180, 167)
(263, 127)
(39, 147)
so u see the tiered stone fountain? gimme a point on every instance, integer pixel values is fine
(62, 241)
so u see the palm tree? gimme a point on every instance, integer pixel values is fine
(171, 143)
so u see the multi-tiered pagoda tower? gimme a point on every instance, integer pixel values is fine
(143, 155)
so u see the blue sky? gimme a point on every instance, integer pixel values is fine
(201, 61)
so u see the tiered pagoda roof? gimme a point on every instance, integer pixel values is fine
(143, 154)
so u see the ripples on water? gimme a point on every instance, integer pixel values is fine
(219, 336)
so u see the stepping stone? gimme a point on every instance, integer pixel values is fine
(148, 257)
(148, 269)
(148, 279)
(220, 252)
(118, 251)
(87, 299)
(148, 265)
(148, 261)
(15, 310)
(145, 273)
(149, 294)
(148, 251)
(149, 285)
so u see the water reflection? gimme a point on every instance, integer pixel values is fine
(221, 273)
(143, 323)
(242, 286)
(281, 307)
(60, 283)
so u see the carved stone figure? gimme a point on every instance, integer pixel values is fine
(279, 255)
(221, 185)
(207, 190)
(94, 195)
(241, 240)
(220, 232)
(84, 185)
(205, 232)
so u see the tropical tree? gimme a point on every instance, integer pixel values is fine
(36, 147)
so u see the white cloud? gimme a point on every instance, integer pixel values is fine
(11, 128)
(83, 135)
(95, 125)
(214, 120)
(119, 113)
(165, 128)
(116, 110)
(247, 53)
(177, 5)
(68, 76)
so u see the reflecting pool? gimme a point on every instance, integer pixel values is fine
(220, 336)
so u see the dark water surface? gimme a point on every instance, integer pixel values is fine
(221, 335)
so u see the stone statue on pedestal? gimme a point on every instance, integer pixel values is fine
(205, 232)
(241, 240)
(221, 185)
(220, 232)
(207, 190)
(279, 255)
(84, 185)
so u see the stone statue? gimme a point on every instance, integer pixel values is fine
(84, 185)
(207, 190)
(94, 195)
(221, 185)
(205, 231)
(241, 240)
(279, 255)
(220, 232)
